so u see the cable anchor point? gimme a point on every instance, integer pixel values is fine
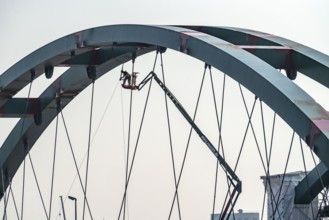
(26, 144)
(161, 50)
(32, 71)
(91, 72)
(206, 65)
(133, 56)
(58, 104)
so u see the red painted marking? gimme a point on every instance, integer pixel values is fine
(280, 49)
(322, 124)
(182, 43)
(194, 33)
(68, 94)
(185, 35)
(263, 47)
(259, 35)
(317, 127)
(6, 94)
(254, 38)
(79, 39)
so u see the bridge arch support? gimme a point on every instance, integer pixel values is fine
(251, 58)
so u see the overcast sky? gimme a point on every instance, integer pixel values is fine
(28, 25)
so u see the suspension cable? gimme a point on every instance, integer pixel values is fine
(37, 183)
(221, 145)
(128, 146)
(317, 170)
(187, 144)
(268, 166)
(74, 159)
(129, 171)
(247, 128)
(127, 155)
(23, 190)
(103, 115)
(128, 152)
(20, 136)
(256, 141)
(325, 193)
(246, 131)
(264, 133)
(89, 143)
(252, 128)
(264, 136)
(233, 177)
(283, 213)
(124, 145)
(272, 137)
(96, 131)
(135, 150)
(284, 174)
(14, 201)
(257, 144)
(305, 171)
(219, 125)
(53, 169)
(244, 137)
(5, 201)
(6, 194)
(267, 155)
(170, 137)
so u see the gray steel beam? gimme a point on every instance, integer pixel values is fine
(19, 75)
(312, 185)
(282, 53)
(297, 108)
(306, 60)
(21, 107)
(65, 88)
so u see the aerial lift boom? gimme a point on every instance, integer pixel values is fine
(234, 180)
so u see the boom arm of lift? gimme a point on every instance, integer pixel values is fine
(234, 180)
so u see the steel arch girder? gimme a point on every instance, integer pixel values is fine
(312, 184)
(306, 60)
(242, 66)
(63, 90)
(315, 65)
(282, 53)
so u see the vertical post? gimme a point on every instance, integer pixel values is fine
(63, 207)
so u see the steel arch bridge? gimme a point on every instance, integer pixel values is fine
(251, 58)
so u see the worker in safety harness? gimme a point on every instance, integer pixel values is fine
(125, 76)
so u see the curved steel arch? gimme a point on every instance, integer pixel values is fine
(85, 48)
(285, 54)
(279, 52)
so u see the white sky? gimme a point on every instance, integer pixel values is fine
(28, 25)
